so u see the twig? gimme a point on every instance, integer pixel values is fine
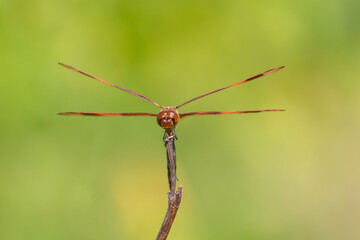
(174, 202)
(171, 162)
(174, 196)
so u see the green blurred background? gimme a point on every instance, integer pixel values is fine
(287, 175)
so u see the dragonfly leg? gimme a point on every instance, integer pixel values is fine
(175, 135)
(168, 136)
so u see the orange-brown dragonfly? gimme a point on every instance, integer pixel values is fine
(169, 117)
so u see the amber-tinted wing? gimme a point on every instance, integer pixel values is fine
(234, 84)
(124, 89)
(107, 114)
(183, 115)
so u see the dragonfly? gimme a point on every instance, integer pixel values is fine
(169, 117)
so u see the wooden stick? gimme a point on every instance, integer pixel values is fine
(174, 196)
(171, 162)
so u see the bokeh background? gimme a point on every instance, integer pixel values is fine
(286, 175)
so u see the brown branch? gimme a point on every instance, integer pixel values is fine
(174, 196)
(171, 161)
(174, 203)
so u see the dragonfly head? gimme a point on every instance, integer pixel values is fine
(168, 118)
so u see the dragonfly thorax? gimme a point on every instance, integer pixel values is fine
(168, 118)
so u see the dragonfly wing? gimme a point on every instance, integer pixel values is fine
(99, 79)
(183, 115)
(107, 114)
(234, 84)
